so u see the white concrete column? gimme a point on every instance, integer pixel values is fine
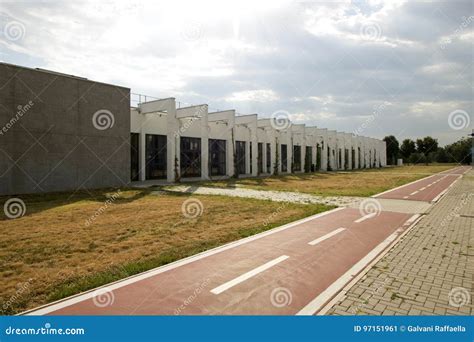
(290, 152)
(204, 145)
(229, 153)
(324, 151)
(384, 153)
(247, 154)
(172, 139)
(276, 151)
(254, 139)
(349, 149)
(355, 144)
(343, 152)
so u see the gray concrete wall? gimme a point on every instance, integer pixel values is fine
(49, 140)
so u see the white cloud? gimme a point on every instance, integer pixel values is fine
(329, 63)
(260, 95)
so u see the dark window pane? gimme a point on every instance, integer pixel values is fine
(155, 156)
(190, 157)
(260, 158)
(284, 158)
(217, 157)
(240, 156)
(269, 158)
(135, 156)
(296, 158)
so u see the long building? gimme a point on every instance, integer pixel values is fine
(192, 143)
(61, 132)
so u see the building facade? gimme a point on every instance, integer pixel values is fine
(191, 143)
(60, 133)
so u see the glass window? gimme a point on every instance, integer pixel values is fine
(217, 157)
(190, 157)
(155, 156)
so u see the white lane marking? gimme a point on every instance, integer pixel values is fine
(405, 197)
(312, 307)
(248, 275)
(325, 237)
(402, 186)
(419, 180)
(414, 193)
(366, 217)
(63, 303)
(423, 188)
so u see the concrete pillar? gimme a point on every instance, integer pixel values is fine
(303, 151)
(355, 146)
(204, 144)
(254, 139)
(384, 153)
(173, 147)
(324, 144)
(247, 154)
(349, 149)
(290, 151)
(276, 151)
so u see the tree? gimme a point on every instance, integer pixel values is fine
(417, 158)
(442, 156)
(393, 149)
(408, 147)
(426, 145)
(460, 151)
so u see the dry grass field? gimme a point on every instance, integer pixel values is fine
(352, 183)
(52, 252)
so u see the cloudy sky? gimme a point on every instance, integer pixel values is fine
(366, 66)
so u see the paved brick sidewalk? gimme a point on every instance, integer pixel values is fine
(430, 271)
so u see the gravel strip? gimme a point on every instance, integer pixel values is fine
(277, 196)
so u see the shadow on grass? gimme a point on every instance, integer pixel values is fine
(36, 203)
